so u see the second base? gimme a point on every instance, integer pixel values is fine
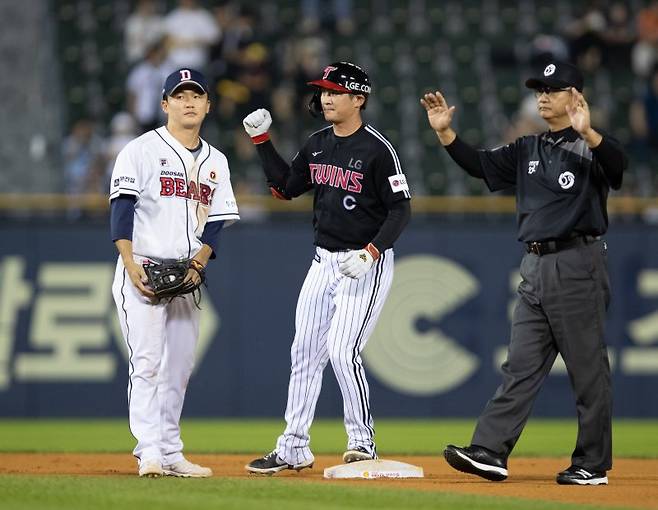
(374, 469)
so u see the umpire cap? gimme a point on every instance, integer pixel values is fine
(182, 77)
(559, 75)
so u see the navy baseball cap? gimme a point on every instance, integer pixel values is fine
(181, 77)
(559, 75)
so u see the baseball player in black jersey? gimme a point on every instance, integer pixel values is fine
(562, 179)
(360, 207)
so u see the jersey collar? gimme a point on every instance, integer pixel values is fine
(184, 154)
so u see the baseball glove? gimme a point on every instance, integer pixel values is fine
(167, 280)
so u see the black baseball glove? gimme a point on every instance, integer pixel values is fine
(167, 280)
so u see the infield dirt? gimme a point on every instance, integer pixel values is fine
(633, 482)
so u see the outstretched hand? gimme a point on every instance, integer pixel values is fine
(439, 113)
(578, 112)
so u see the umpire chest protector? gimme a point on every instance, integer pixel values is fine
(561, 189)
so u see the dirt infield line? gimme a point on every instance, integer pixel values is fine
(633, 482)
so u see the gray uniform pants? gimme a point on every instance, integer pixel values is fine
(562, 305)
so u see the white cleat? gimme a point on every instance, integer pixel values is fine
(186, 469)
(151, 469)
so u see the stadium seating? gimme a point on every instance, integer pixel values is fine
(468, 49)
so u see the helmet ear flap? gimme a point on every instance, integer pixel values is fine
(315, 105)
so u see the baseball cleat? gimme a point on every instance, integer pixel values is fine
(575, 475)
(272, 463)
(150, 469)
(186, 469)
(477, 460)
(357, 454)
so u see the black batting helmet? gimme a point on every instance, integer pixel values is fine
(341, 77)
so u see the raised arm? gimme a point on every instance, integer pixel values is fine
(284, 183)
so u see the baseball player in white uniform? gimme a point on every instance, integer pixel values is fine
(170, 195)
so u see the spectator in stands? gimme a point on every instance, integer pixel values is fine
(526, 120)
(585, 35)
(644, 120)
(143, 27)
(82, 152)
(123, 129)
(190, 30)
(144, 88)
(239, 30)
(339, 18)
(645, 51)
(618, 37)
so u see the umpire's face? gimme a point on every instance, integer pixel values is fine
(340, 107)
(187, 107)
(552, 103)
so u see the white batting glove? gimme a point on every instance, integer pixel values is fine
(256, 125)
(358, 262)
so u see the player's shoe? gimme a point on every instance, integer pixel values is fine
(477, 460)
(357, 454)
(151, 469)
(272, 463)
(575, 475)
(186, 469)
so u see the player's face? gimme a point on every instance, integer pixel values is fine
(552, 103)
(186, 107)
(339, 106)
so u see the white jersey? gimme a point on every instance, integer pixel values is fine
(176, 194)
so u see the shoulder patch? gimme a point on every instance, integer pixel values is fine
(398, 182)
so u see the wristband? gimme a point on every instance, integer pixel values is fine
(258, 139)
(372, 249)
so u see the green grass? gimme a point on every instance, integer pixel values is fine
(99, 493)
(632, 438)
(546, 438)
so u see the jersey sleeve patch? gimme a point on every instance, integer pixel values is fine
(398, 182)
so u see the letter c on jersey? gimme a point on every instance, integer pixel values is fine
(408, 351)
(349, 202)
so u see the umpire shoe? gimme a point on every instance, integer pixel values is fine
(575, 475)
(186, 469)
(150, 469)
(357, 454)
(272, 463)
(477, 460)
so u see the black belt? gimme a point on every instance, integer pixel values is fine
(544, 247)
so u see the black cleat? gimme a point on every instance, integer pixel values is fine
(357, 454)
(477, 460)
(272, 463)
(575, 475)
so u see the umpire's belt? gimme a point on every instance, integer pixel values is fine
(544, 247)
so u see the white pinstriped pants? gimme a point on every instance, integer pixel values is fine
(335, 317)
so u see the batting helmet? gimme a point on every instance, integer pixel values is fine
(342, 77)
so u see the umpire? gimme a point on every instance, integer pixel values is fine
(562, 178)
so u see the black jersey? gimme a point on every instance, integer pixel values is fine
(561, 187)
(356, 179)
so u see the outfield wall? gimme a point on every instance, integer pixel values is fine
(435, 353)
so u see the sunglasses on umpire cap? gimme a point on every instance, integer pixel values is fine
(184, 77)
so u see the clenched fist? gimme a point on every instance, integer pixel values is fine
(256, 125)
